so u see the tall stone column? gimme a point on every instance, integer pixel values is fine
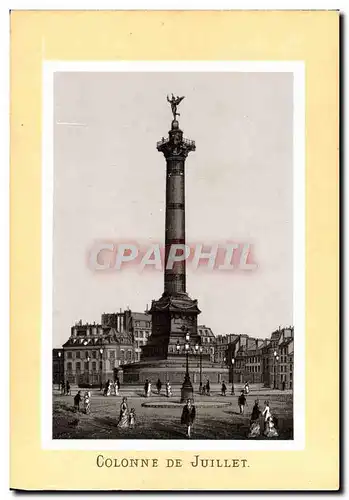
(175, 150)
(175, 314)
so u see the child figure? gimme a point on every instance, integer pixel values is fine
(87, 402)
(132, 417)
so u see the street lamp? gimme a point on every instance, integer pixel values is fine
(59, 369)
(101, 365)
(187, 388)
(199, 349)
(276, 358)
(232, 376)
(88, 368)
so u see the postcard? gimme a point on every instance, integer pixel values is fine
(177, 196)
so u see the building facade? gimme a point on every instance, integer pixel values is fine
(207, 341)
(95, 353)
(137, 324)
(57, 366)
(141, 331)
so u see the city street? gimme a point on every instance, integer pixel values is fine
(217, 417)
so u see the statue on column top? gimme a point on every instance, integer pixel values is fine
(175, 101)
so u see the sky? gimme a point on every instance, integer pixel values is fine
(109, 185)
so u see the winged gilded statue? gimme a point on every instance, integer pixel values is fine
(175, 101)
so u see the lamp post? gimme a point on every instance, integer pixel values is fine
(276, 358)
(187, 388)
(59, 369)
(88, 364)
(232, 376)
(199, 349)
(101, 365)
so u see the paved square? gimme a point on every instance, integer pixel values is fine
(217, 417)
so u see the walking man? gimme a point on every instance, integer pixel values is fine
(188, 416)
(242, 402)
(224, 389)
(68, 390)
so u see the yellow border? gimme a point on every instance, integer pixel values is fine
(311, 36)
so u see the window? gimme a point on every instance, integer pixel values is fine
(94, 354)
(86, 354)
(69, 367)
(112, 355)
(78, 367)
(129, 355)
(93, 366)
(69, 354)
(77, 354)
(86, 366)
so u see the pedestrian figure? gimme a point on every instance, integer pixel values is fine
(118, 384)
(242, 402)
(87, 402)
(224, 389)
(270, 430)
(124, 416)
(77, 400)
(149, 389)
(146, 386)
(246, 388)
(106, 385)
(115, 388)
(204, 390)
(208, 387)
(168, 389)
(283, 385)
(63, 387)
(132, 418)
(109, 388)
(188, 416)
(67, 389)
(266, 413)
(255, 428)
(158, 385)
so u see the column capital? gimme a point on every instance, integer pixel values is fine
(175, 146)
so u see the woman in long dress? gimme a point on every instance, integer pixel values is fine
(255, 428)
(109, 388)
(124, 416)
(87, 402)
(116, 388)
(266, 413)
(270, 428)
(168, 390)
(149, 389)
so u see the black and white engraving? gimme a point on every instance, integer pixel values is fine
(158, 371)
